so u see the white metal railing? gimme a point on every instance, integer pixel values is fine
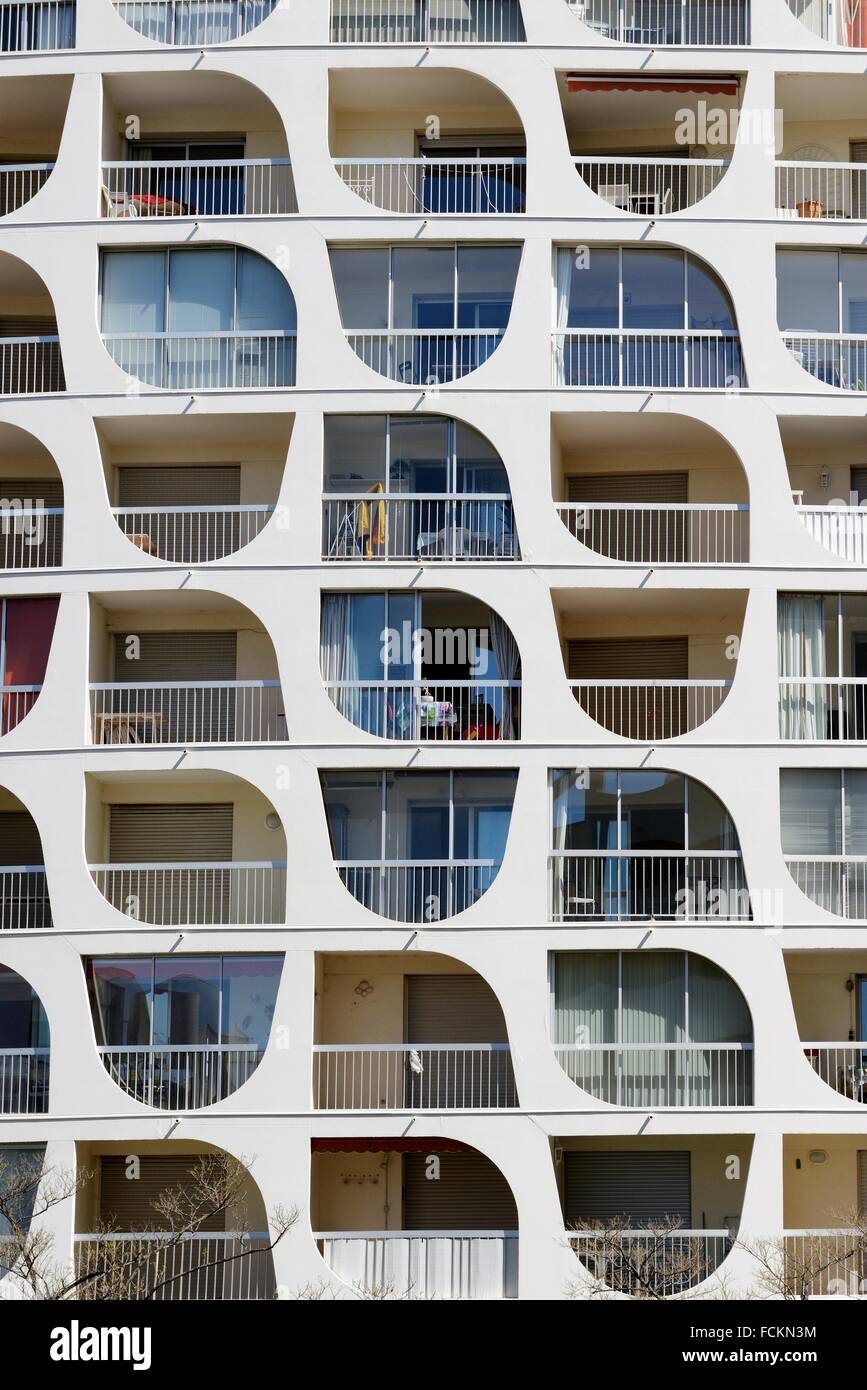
(663, 533)
(199, 188)
(424, 1264)
(821, 190)
(206, 361)
(181, 1078)
(703, 23)
(16, 701)
(193, 535)
(30, 537)
(672, 360)
(23, 1080)
(650, 187)
(202, 894)
(842, 530)
(654, 709)
(839, 21)
(188, 712)
(31, 366)
(194, 21)
(20, 182)
(642, 1074)
(414, 891)
(413, 1076)
(24, 900)
(818, 709)
(36, 25)
(824, 1264)
(836, 883)
(656, 1263)
(425, 358)
(630, 885)
(418, 526)
(842, 1066)
(156, 1265)
(455, 186)
(433, 711)
(427, 21)
(836, 359)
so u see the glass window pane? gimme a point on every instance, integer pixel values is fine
(133, 291)
(483, 811)
(187, 1001)
(354, 452)
(401, 636)
(653, 287)
(717, 1009)
(486, 285)
(201, 291)
(250, 985)
(419, 460)
(854, 644)
(424, 287)
(417, 815)
(807, 291)
(364, 638)
(593, 287)
(654, 997)
(810, 811)
(709, 305)
(265, 300)
(361, 282)
(121, 1001)
(856, 812)
(710, 825)
(652, 805)
(585, 810)
(19, 1012)
(853, 273)
(585, 997)
(353, 806)
(20, 1172)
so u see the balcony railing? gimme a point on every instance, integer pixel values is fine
(646, 885)
(31, 366)
(195, 188)
(700, 23)
(410, 891)
(20, 182)
(427, 21)
(192, 535)
(671, 361)
(31, 538)
(838, 21)
(191, 22)
(208, 361)
(424, 1264)
(203, 894)
(843, 1066)
(188, 712)
(822, 1264)
(826, 191)
(425, 358)
(28, 26)
(649, 710)
(155, 1265)
(181, 1078)
(664, 533)
(836, 359)
(23, 1080)
(842, 530)
(659, 1264)
(16, 702)
(651, 187)
(675, 1074)
(418, 526)
(455, 186)
(24, 901)
(403, 1076)
(836, 883)
(474, 710)
(817, 709)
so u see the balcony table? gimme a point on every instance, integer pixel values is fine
(125, 726)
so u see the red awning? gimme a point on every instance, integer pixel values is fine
(704, 86)
(390, 1146)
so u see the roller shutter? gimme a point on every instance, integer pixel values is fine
(185, 716)
(207, 485)
(128, 1203)
(629, 487)
(642, 1188)
(33, 367)
(191, 536)
(633, 713)
(19, 839)
(170, 834)
(636, 536)
(470, 1194)
(858, 483)
(443, 1009)
(862, 1181)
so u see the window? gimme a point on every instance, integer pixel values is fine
(404, 455)
(22, 1017)
(822, 291)
(823, 827)
(822, 646)
(638, 811)
(194, 22)
(37, 27)
(212, 185)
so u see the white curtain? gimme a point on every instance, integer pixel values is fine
(508, 660)
(565, 263)
(334, 644)
(718, 1014)
(585, 1013)
(654, 1001)
(801, 651)
(47, 26)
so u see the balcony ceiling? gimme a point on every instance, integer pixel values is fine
(17, 444)
(391, 89)
(647, 606)
(585, 111)
(823, 432)
(185, 601)
(224, 102)
(165, 431)
(593, 433)
(821, 97)
(33, 107)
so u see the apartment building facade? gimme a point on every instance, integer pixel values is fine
(434, 697)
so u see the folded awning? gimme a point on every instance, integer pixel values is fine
(703, 86)
(390, 1146)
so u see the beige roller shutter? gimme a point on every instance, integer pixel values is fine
(32, 492)
(632, 713)
(208, 485)
(470, 1194)
(862, 1181)
(640, 1187)
(637, 536)
(19, 839)
(177, 656)
(38, 367)
(127, 1203)
(170, 834)
(452, 1009)
(629, 487)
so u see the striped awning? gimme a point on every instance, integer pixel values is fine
(701, 85)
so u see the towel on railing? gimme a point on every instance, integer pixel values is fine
(372, 523)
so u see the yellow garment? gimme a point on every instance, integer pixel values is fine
(372, 522)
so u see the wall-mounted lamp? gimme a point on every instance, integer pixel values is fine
(272, 820)
(850, 985)
(818, 1156)
(825, 477)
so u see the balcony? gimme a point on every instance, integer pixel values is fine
(661, 23)
(818, 308)
(32, 117)
(663, 865)
(820, 810)
(31, 515)
(251, 346)
(224, 1266)
(641, 317)
(225, 188)
(24, 1048)
(457, 1237)
(824, 1252)
(822, 642)
(418, 846)
(427, 21)
(193, 22)
(668, 1263)
(840, 22)
(829, 995)
(24, 899)
(30, 357)
(28, 26)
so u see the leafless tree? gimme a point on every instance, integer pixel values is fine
(649, 1261)
(799, 1267)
